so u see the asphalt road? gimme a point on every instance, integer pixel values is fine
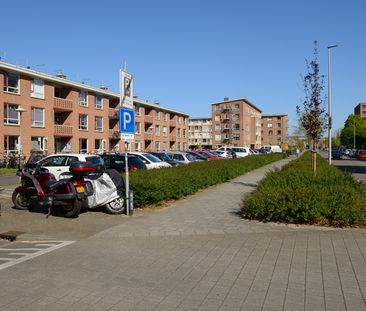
(6, 180)
(356, 167)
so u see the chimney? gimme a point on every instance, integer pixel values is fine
(104, 87)
(60, 74)
(226, 99)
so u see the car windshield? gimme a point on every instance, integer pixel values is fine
(204, 155)
(164, 157)
(95, 160)
(151, 157)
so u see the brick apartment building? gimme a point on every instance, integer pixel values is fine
(236, 122)
(274, 129)
(200, 132)
(360, 110)
(62, 115)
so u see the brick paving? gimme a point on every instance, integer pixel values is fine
(197, 254)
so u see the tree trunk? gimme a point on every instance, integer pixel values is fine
(314, 158)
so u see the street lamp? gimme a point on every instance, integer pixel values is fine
(354, 134)
(20, 110)
(329, 108)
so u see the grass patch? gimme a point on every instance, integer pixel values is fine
(295, 195)
(7, 171)
(154, 187)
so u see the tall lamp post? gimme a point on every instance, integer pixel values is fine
(354, 134)
(330, 108)
(20, 110)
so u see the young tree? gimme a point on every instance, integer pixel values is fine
(312, 118)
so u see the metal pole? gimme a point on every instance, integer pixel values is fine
(354, 134)
(127, 181)
(329, 109)
(20, 143)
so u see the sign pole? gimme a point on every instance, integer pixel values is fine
(127, 181)
(126, 124)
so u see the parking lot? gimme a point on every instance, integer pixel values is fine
(194, 254)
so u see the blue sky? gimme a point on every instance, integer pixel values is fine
(188, 54)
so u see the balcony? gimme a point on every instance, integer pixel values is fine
(148, 136)
(113, 113)
(148, 119)
(173, 123)
(62, 104)
(62, 130)
(113, 134)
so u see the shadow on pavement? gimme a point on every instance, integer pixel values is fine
(353, 169)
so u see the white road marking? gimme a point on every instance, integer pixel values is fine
(38, 252)
(19, 254)
(6, 259)
(21, 249)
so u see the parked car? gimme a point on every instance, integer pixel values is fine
(240, 152)
(150, 160)
(353, 153)
(117, 162)
(199, 156)
(165, 157)
(337, 154)
(228, 154)
(184, 157)
(272, 148)
(59, 164)
(208, 154)
(218, 154)
(361, 154)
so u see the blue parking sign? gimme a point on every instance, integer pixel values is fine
(127, 122)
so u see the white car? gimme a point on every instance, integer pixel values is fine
(240, 152)
(58, 164)
(150, 160)
(184, 157)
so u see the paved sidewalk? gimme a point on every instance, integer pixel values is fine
(197, 254)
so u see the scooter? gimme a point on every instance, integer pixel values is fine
(39, 186)
(108, 191)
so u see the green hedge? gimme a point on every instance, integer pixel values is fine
(295, 195)
(152, 187)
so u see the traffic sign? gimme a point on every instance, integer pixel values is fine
(127, 124)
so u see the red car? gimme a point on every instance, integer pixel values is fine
(207, 154)
(361, 154)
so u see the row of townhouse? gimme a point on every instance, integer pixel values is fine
(54, 114)
(237, 122)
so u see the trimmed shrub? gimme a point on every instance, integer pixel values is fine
(295, 195)
(153, 187)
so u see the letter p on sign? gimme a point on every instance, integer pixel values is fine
(126, 121)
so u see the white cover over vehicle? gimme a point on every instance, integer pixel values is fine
(108, 191)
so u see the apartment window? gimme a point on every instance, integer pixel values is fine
(83, 98)
(184, 133)
(165, 131)
(165, 116)
(178, 133)
(236, 117)
(178, 144)
(278, 124)
(184, 146)
(217, 137)
(83, 122)
(157, 146)
(217, 127)
(278, 132)
(98, 124)
(269, 125)
(237, 127)
(217, 108)
(99, 145)
(270, 133)
(164, 146)
(38, 117)
(11, 144)
(98, 102)
(11, 82)
(137, 128)
(236, 136)
(237, 106)
(158, 115)
(37, 88)
(38, 143)
(138, 145)
(137, 110)
(83, 145)
(157, 130)
(11, 115)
